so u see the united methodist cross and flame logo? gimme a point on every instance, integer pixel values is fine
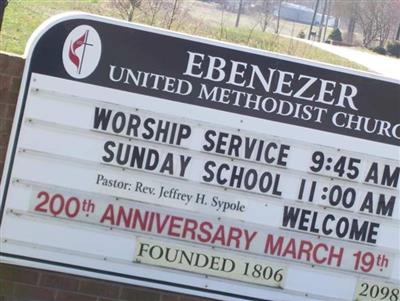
(82, 51)
(74, 46)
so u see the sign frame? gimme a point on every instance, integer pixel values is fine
(114, 276)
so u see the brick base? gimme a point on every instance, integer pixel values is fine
(11, 67)
(27, 284)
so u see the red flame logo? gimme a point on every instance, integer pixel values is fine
(74, 46)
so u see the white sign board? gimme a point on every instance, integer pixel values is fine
(159, 159)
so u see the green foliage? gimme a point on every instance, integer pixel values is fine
(379, 50)
(393, 48)
(336, 35)
(302, 34)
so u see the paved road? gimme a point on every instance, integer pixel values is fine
(385, 65)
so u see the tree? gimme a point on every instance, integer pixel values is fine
(394, 48)
(346, 11)
(321, 24)
(327, 19)
(351, 28)
(396, 30)
(384, 21)
(335, 35)
(3, 5)
(313, 19)
(176, 7)
(153, 9)
(126, 8)
(239, 12)
(376, 19)
(279, 17)
(266, 14)
(221, 24)
(366, 18)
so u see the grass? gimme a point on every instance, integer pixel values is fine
(294, 47)
(22, 17)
